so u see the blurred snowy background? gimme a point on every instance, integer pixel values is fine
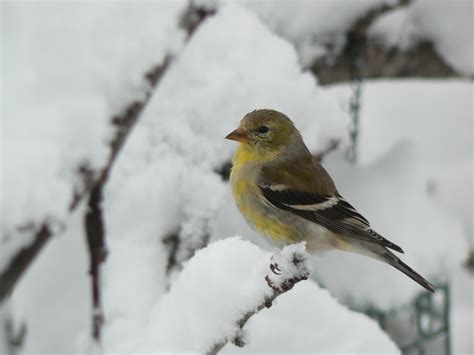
(114, 173)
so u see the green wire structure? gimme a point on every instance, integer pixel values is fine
(356, 85)
(421, 327)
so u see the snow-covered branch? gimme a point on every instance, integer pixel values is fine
(93, 179)
(219, 298)
(124, 123)
(290, 266)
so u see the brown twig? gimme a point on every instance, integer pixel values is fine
(94, 226)
(20, 262)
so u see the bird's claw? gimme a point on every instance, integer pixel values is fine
(275, 269)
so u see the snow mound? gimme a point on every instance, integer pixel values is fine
(226, 280)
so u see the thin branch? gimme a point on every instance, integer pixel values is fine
(94, 226)
(20, 262)
(331, 147)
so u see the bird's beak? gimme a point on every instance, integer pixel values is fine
(238, 135)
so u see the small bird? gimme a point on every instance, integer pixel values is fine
(286, 194)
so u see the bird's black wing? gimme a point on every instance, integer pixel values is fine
(331, 211)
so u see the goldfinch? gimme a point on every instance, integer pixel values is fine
(287, 196)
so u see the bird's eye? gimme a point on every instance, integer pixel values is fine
(262, 129)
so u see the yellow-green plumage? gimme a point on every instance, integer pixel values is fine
(245, 191)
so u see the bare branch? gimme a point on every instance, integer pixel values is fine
(20, 262)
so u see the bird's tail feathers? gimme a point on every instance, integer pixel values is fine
(393, 260)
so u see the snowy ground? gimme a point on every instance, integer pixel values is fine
(413, 174)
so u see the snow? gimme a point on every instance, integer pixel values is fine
(448, 24)
(305, 23)
(415, 162)
(53, 297)
(462, 323)
(394, 29)
(436, 117)
(89, 61)
(226, 280)
(386, 193)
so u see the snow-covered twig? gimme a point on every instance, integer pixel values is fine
(92, 182)
(290, 266)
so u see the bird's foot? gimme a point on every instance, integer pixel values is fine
(290, 266)
(275, 268)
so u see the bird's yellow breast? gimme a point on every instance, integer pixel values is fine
(247, 197)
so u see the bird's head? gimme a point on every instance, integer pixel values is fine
(265, 132)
